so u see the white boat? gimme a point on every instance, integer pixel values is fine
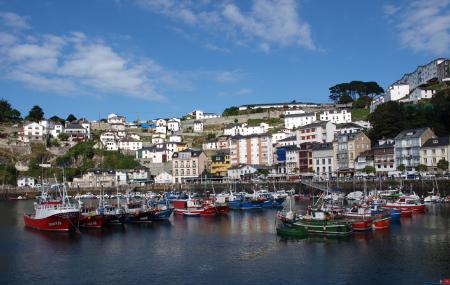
(356, 195)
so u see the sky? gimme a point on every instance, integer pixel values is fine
(163, 58)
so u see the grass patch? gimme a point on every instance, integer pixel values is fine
(360, 114)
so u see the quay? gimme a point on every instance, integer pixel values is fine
(420, 187)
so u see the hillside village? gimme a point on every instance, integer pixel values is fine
(281, 141)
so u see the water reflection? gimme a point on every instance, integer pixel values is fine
(241, 248)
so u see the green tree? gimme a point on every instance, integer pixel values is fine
(7, 113)
(63, 136)
(57, 119)
(211, 136)
(387, 121)
(345, 99)
(362, 102)
(71, 118)
(231, 111)
(36, 114)
(401, 167)
(421, 168)
(369, 169)
(442, 164)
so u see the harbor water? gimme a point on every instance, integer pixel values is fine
(241, 248)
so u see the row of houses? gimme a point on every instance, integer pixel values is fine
(44, 129)
(413, 86)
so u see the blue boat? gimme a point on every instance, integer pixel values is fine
(395, 213)
(161, 215)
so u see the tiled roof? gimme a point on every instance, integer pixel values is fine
(441, 141)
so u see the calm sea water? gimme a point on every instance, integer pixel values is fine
(239, 249)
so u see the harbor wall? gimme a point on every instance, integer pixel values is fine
(419, 187)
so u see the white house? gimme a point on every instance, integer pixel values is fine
(199, 115)
(26, 182)
(276, 137)
(153, 154)
(198, 126)
(175, 138)
(421, 93)
(129, 144)
(396, 92)
(297, 120)
(157, 139)
(56, 129)
(294, 111)
(348, 128)
(32, 132)
(322, 131)
(324, 161)
(291, 140)
(336, 116)
(161, 129)
(111, 145)
(115, 119)
(161, 122)
(245, 130)
(163, 178)
(236, 172)
(173, 125)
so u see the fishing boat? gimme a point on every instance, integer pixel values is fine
(137, 211)
(361, 224)
(193, 207)
(405, 203)
(381, 222)
(320, 222)
(406, 213)
(92, 218)
(285, 223)
(53, 214)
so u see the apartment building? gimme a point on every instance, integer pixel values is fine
(252, 149)
(324, 159)
(348, 147)
(187, 164)
(433, 150)
(408, 144)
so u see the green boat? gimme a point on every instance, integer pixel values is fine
(288, 229)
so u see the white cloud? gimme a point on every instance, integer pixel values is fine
(214, 47)
(13, 20)
(424, 25)
(390, 9)
(228, 76)
(76, 63)
(268, 22)
(240, 92)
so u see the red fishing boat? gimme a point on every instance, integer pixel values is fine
(92, 218)
(406, 213)
(405, 203)
(362, 224)
(53, 214)
(381, 222)
(193, 207)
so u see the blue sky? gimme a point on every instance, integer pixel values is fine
(163, 58)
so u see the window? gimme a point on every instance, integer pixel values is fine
(323, 161)
(329, 160)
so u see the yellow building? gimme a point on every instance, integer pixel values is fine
(220, 162)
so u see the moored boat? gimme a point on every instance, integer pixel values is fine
(381, 222)
(363, 224)
(53, 214)
(406, 204)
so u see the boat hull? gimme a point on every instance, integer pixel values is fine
(414, 208)
(286, 229)
(160, 215)
(93, 221)
(58, 222)
(138, 217)
(206, 211)
(381, 223)
(325, 227)
(362, 224)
